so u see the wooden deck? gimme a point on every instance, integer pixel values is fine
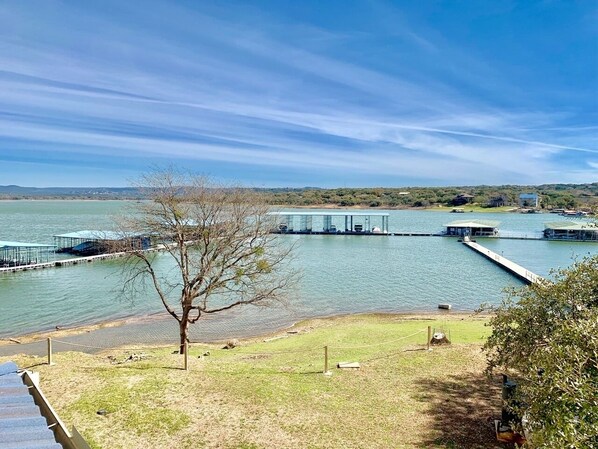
(513, 268)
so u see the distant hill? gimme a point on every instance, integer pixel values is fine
(18, 192)
(567, 196)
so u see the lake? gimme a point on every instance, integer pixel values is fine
(340, 274)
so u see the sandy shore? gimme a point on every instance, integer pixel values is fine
(161, 329)
(65, 331)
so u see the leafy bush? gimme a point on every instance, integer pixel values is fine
(546, 335)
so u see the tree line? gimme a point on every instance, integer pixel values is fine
(553, 196)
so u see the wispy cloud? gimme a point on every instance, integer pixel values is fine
(124, 83)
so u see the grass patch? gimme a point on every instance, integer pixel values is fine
(132, 405)
(272, 394)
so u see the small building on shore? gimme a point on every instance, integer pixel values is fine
(529, 200)
(472, 228)
(571, 230)
(15, 254)
(461, 199)
(498, 201)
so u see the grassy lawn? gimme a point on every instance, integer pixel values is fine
(272, 394)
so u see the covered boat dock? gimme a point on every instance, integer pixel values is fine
(88, 243)
(472, 228)
(354, 223)
(15, 254)
(571, 230)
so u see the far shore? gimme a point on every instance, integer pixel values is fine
(467, 208)
(437, 208)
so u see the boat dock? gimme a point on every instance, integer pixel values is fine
(61, 262)
(417, 234)
(513, 268)
(331, 222)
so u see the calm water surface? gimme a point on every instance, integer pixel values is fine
(341, 274)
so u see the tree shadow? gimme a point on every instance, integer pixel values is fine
(462, 410)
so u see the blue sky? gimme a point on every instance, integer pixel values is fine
(299, 93)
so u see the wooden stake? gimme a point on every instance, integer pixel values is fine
(429, 336)
(50, 351)
(326, 372)
(186, 349)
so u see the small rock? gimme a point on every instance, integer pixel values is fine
(175, 352)
(207, 353)
(102, 412)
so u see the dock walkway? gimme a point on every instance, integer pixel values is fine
(506, 264)
(61, 262)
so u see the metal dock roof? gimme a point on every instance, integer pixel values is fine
(571, 226)
(473, 224)
(333, 214)
(91, 235)
(7, 244)
(21, 424)
(98, 235)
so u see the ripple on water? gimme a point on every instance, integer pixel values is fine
(341, 274)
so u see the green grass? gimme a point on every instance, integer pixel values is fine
(273, 394)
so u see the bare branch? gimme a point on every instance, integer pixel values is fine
(214, 239)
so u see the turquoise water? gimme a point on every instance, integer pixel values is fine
(340, 274)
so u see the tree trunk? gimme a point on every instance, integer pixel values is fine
(184, 330)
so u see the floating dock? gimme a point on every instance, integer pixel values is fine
(62, 262)
(513, 268)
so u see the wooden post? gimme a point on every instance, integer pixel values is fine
(326, 372)
(186, 349)
(429, 336)
(50, 351)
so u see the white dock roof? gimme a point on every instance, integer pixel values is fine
(96, 235)
(571, 226)
(473, 224)
(7, 244)
(332, 214)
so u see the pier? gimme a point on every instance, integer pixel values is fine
(61, 262)
(513, 268)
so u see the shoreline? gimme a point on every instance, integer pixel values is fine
(77, 329)
(437, 208)
(119, 330)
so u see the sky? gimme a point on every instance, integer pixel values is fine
(299, 93)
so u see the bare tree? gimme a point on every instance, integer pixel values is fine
(220, 242)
